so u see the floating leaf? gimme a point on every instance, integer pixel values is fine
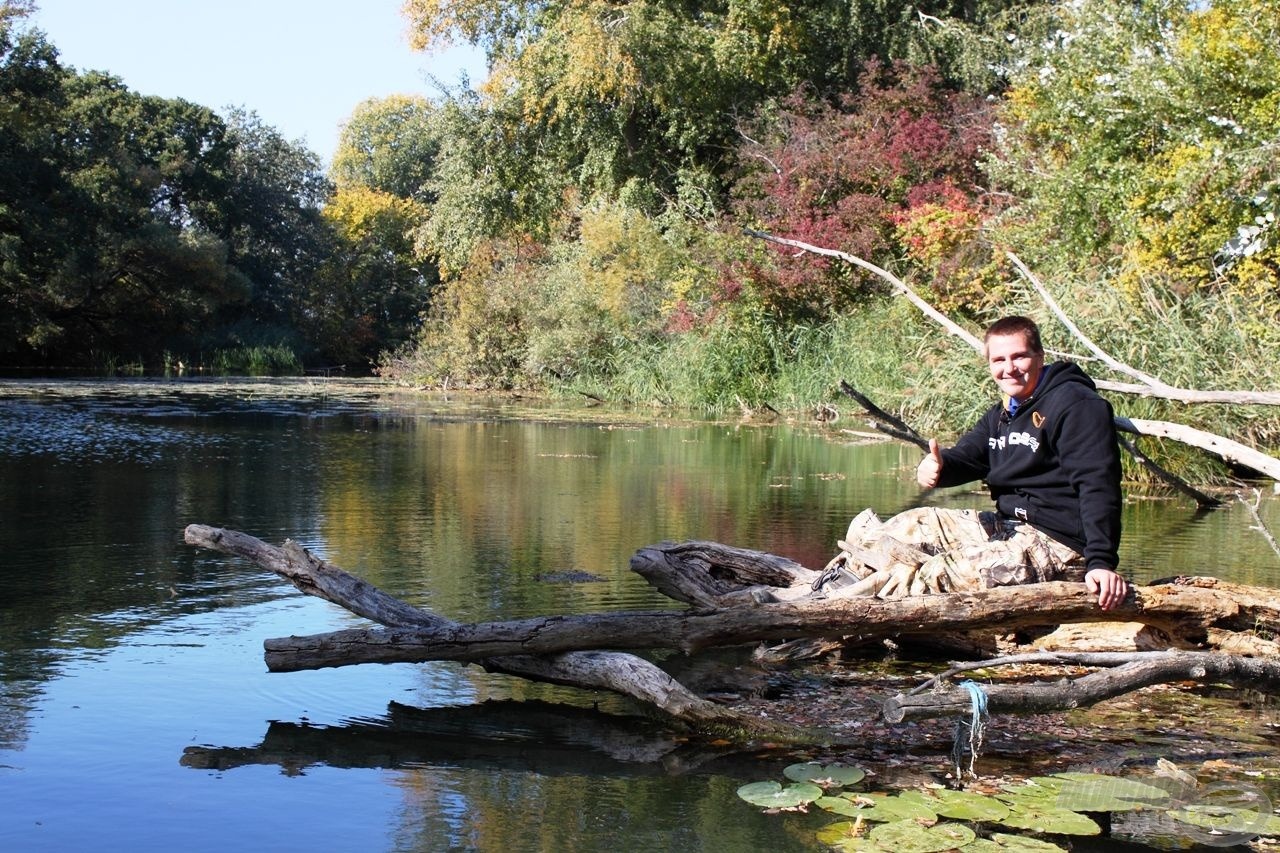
(847, 836)
(1038, 790)
(1023, 844)
(909, 836)
(1098, 792)
(966, 805)
(1232, 820)
(828, 775)
(1049, 819)
(771, 795)
(909, 805)
(840, 805)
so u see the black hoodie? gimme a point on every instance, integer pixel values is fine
(1054, 464)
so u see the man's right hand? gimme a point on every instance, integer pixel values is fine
(930, 468)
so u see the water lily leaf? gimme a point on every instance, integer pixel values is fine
(771, 795)
(1098, 792)
(1023, 844)
(847, 836)
(1036, 791)
(1231, 820)
(826, 775)
(909, 836)
(840, 805)
(967, 805)
(1051, 820)
(908, 805)
(982, 845)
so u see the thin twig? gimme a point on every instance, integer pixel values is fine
(1258, 525)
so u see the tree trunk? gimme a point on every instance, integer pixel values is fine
(735, 591)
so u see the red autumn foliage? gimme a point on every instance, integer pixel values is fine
(843, 175)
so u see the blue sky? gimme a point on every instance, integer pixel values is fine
(302, 65)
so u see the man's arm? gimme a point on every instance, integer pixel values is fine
(1090, 456)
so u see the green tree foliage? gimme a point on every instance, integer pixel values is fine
(388, 144)
(270, 219)
(373, 287)
(99, 186)
(642, 102)
(131, 225)
(1145, 137)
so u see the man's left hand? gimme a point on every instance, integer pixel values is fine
(1107, 585)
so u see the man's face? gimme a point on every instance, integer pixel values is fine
(1014, 367)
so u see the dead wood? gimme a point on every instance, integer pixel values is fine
(1151, 387)
(625, 674)
(587, 651)
(1041, 698)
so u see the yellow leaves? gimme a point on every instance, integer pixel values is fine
(362, 214)
(581, 58)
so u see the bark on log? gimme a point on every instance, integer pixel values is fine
(1254, 673)
(625, 674)
(567, 649)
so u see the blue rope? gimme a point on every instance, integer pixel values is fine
(969, 733)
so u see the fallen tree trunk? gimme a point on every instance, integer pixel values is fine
(585, 651)
(624, 674)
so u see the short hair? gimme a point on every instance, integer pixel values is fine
(1016, 325)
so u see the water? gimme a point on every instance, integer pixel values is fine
(135, 710)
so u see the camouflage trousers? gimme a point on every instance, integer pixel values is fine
(930, 550)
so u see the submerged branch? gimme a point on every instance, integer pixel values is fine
(1040, 698)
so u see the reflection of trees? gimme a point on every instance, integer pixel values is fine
(474, 511)
(90, 544)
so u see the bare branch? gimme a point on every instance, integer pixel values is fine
(1257, 520)
(1151, 386)
(1225, 448)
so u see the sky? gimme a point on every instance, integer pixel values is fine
(301, 65)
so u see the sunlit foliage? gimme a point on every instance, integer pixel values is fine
(1146, 137)
(889, 172)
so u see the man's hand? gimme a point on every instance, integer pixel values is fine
(930, 467)
(1107, 585)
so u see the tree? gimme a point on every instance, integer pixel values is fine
(890, 171)
(1145, 134)
(388, 144)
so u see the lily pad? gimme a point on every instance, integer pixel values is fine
(1038, 790)
(966, 805)
(1098, 792)
(886, 808)
(826, 775)
(847, 836)
(908, 836)
(771, 795)
(839, 805)
(1023, 844)
(1048, 819)
(1228, 820)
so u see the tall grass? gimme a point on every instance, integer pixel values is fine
(272, 360)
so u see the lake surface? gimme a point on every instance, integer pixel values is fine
(135, 710)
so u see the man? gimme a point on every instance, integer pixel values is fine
(1049, 455)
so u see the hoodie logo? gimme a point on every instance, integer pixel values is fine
(1037, 420)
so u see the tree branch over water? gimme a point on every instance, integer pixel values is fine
(1225, 448)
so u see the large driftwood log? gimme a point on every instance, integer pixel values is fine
(589, 670)
(1187, 609)
(584, 651)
